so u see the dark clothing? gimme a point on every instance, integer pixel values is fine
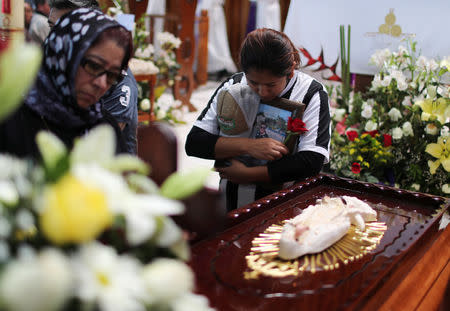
(51, 103)
(308, 158)
(121, 103)
(18, 132)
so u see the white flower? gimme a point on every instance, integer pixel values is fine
(431, 91)
(145, 104)
(402, 85)
(446, 188)
(168, 38)
(145, 53)
(431, 129)
(140, 210)
(394, 114)
(11, 167)
(370, 126)
(142, 67)
(169, 234)
(104, 277)
(8, 193)
(407, 101)
(397, 133)
(366, 110)
(422, 62)
(42, 284)
(445, 63)
(380, 57)
(24, 219)
(416, 187)
(167, 279)
(5, 227)
(407, 129)
(376, 82)
(386, 81)
(160, 114)
(190, 302)
(177, 114)
(443, 91)
(426, 64)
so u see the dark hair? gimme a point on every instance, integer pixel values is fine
(39, 2)
(122, 37)
(73, 4)
(268, 49)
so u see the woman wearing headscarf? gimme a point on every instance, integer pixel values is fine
(85, 54)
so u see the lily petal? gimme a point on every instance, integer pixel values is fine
(433, 165)
(434, 149)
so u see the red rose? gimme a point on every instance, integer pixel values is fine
(356, 168)
(352, 135)
(296, 126)
(372, 133)
(387, 140)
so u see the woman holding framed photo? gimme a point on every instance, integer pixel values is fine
(270, 62)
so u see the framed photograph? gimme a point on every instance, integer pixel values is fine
(271, 121)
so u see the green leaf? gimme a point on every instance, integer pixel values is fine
(97, 147)
(52, 149)
(159, 90)
(127, 163)
(182, 185)
(18, 68)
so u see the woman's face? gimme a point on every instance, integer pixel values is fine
(265, 84)
(106, 56)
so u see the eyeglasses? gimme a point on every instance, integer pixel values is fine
(96, 70)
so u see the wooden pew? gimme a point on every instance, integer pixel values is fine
(205, 213)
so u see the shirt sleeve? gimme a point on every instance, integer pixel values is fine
(208, 118)
(201, 144)
(317, 121)
(121, 103)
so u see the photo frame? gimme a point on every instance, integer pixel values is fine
(272, 119)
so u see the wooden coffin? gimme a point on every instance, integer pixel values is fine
(408, 269)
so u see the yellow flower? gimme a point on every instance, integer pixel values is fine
(434, 109)
(73, 212)
(441, 151)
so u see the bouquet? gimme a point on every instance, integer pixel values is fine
(407, 112)
(160, 60)
(85, 229)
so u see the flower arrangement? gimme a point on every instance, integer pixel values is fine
(87, 230)
(160, 60)
(398, 131)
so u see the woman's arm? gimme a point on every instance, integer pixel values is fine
(298, 166)
(200, 143)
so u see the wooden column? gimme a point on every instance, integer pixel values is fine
(202, 51)
(184, 82)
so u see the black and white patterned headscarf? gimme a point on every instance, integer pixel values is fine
(53, 95)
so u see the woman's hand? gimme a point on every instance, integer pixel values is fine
(267, 149)
(238, 173)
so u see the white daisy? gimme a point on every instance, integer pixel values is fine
(111, 281)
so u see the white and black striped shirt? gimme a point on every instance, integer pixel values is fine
(312, 150)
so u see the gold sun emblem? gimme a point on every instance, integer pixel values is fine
(389, 27)
(263, 258)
